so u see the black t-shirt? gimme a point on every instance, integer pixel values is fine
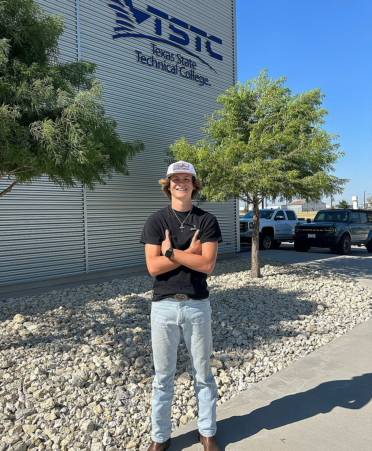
(182, 279)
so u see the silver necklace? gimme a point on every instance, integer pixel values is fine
(182, 227)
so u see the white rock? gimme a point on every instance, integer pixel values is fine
(215, 363)
(19, 319)
(140, 362)
(60, 377)
(87, 426)
(132, 444)
(24, 413)
(97, 447)
(184, 378)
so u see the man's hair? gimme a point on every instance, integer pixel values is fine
(165, 184)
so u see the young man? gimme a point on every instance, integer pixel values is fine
(181, 250)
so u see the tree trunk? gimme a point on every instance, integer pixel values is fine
(9, 189)
(255, 270)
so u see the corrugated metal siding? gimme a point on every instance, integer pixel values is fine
(157, 108)
(42, 226)
(68, 42)
(44, 232)
(41, 233)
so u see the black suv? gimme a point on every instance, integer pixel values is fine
(336, 229)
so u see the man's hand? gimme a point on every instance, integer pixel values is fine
(202, 263)
(166, 244)
(195, 245)
(194, 248)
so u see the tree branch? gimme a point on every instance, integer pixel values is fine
(247, 198)
(8, 173)
(9, 189)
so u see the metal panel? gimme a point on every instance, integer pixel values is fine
(41, 232)
(42, 226)
(68, 45)
(237, 223)
(157, 108)
(47, 232)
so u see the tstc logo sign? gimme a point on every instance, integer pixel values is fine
(172, 30)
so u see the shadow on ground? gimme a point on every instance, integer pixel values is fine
(357, 264)
(356, 267)
(84, 321)
(348, 394)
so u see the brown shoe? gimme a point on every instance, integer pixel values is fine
(209, 443)
(160, 446)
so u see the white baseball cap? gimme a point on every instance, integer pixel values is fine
(181, 167)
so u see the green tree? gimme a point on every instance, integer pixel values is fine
(343, 204)
(264, 142)
(52, 120)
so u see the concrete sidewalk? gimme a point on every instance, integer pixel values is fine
(321, 402)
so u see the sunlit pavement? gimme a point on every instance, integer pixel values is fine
(321, 402)
(357, 264)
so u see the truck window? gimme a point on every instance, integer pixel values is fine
(369, 216)
(290, 215)
(320, 216)
(264, 214)
(354, 217)
(332, 216)
(280, 214)
(363, 217)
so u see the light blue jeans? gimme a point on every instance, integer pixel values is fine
(168, 318)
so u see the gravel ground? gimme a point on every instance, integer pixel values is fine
(76, 365)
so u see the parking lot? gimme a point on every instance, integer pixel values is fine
(357, 264)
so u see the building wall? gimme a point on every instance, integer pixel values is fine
(47, 232)
(296, 208)
(310, 206)
(313, 206)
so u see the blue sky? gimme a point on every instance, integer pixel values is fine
(318, 43)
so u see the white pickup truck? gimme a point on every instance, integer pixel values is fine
(276, 226)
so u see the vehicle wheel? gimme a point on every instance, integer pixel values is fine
(301, 247)
(369, 246)
(266, 242)
(276, 244)
(344, 245)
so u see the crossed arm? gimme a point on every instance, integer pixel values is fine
(199, 257)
